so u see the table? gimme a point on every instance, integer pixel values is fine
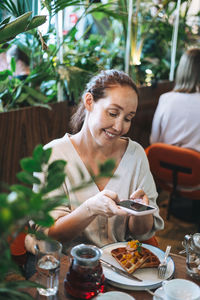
(180, 272)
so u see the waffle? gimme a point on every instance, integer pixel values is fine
(151, 262)
(129, 261)
(134, 256)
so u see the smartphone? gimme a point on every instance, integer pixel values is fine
(136, 208)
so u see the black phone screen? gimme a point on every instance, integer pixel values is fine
(135, 205)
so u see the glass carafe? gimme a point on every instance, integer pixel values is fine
(85, 278)
(192, 247)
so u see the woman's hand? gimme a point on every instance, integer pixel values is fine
(104, 204)
(140, 196)
(139, 225)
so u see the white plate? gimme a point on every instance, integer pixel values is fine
(114, 295)
(148, 275)
(159, 293)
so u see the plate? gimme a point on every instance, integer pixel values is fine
(148, 275)
(159, 293)
(114, 295)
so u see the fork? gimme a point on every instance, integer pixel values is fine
(162, 268)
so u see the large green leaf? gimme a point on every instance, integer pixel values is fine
(22, 189)
(54, 182)
(35, 94)
(27, 178)
(13, 64)
(31, 165)
(47, 222)
(21, 24)
(107, 168)
(4, 74)
(57, 166)
(42, 155)
(46, 155)
(11, 29)
(35, 22)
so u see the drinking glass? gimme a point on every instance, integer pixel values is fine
(48, 253)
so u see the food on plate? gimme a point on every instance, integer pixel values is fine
(134, 256)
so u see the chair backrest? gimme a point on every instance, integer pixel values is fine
(166, 159)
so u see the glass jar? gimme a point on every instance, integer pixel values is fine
(85, 278)
(192, 247)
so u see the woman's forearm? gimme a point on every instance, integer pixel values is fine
(140, 225)
(68, 227)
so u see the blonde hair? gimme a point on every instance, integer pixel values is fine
(188, 72)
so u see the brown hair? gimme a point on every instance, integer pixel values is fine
(188, 72)
(97, 86)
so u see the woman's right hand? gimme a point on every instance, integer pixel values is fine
(105, 204)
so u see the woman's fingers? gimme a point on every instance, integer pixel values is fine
(112, 195)
(140, 196)
(115, 209)
(104, 203)
(137, 194)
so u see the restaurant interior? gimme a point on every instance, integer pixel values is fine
(49, 50)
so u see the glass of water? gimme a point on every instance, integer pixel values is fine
(48, 253)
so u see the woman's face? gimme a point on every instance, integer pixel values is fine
(110, 117)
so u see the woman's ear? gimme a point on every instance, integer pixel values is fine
(88, 101)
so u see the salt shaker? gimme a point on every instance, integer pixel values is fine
(192, 247)
(85, 278)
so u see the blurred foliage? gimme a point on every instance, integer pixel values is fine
(15, 8)
(21, 204)
(9, 29)
(101, 46)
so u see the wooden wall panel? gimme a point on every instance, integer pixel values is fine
(22, 130)
(141, 126)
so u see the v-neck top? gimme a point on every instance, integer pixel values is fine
(132, 173)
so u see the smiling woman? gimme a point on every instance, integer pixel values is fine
(108, 105)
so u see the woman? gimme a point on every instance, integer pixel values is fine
(104, 116)
(176, 120)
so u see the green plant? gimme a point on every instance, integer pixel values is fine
(151, 33)
(21, 204)
(15, 93)
(85, 57)
(15, 8)
(8, 30)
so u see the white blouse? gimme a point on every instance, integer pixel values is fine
(177, 120)
(131, 174)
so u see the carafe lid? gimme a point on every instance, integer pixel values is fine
(86, 255)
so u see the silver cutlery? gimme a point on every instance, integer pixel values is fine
(119, 271)
(162, 268)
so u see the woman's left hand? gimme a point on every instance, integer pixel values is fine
(142, 224)
(140, 196)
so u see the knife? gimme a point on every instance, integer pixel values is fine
(119, 271)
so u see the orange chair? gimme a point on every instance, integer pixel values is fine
(176, 170)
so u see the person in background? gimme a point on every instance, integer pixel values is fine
(22, 62)
(176, 120)
(104, 116)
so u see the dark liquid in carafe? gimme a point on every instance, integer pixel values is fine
(84, 282)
